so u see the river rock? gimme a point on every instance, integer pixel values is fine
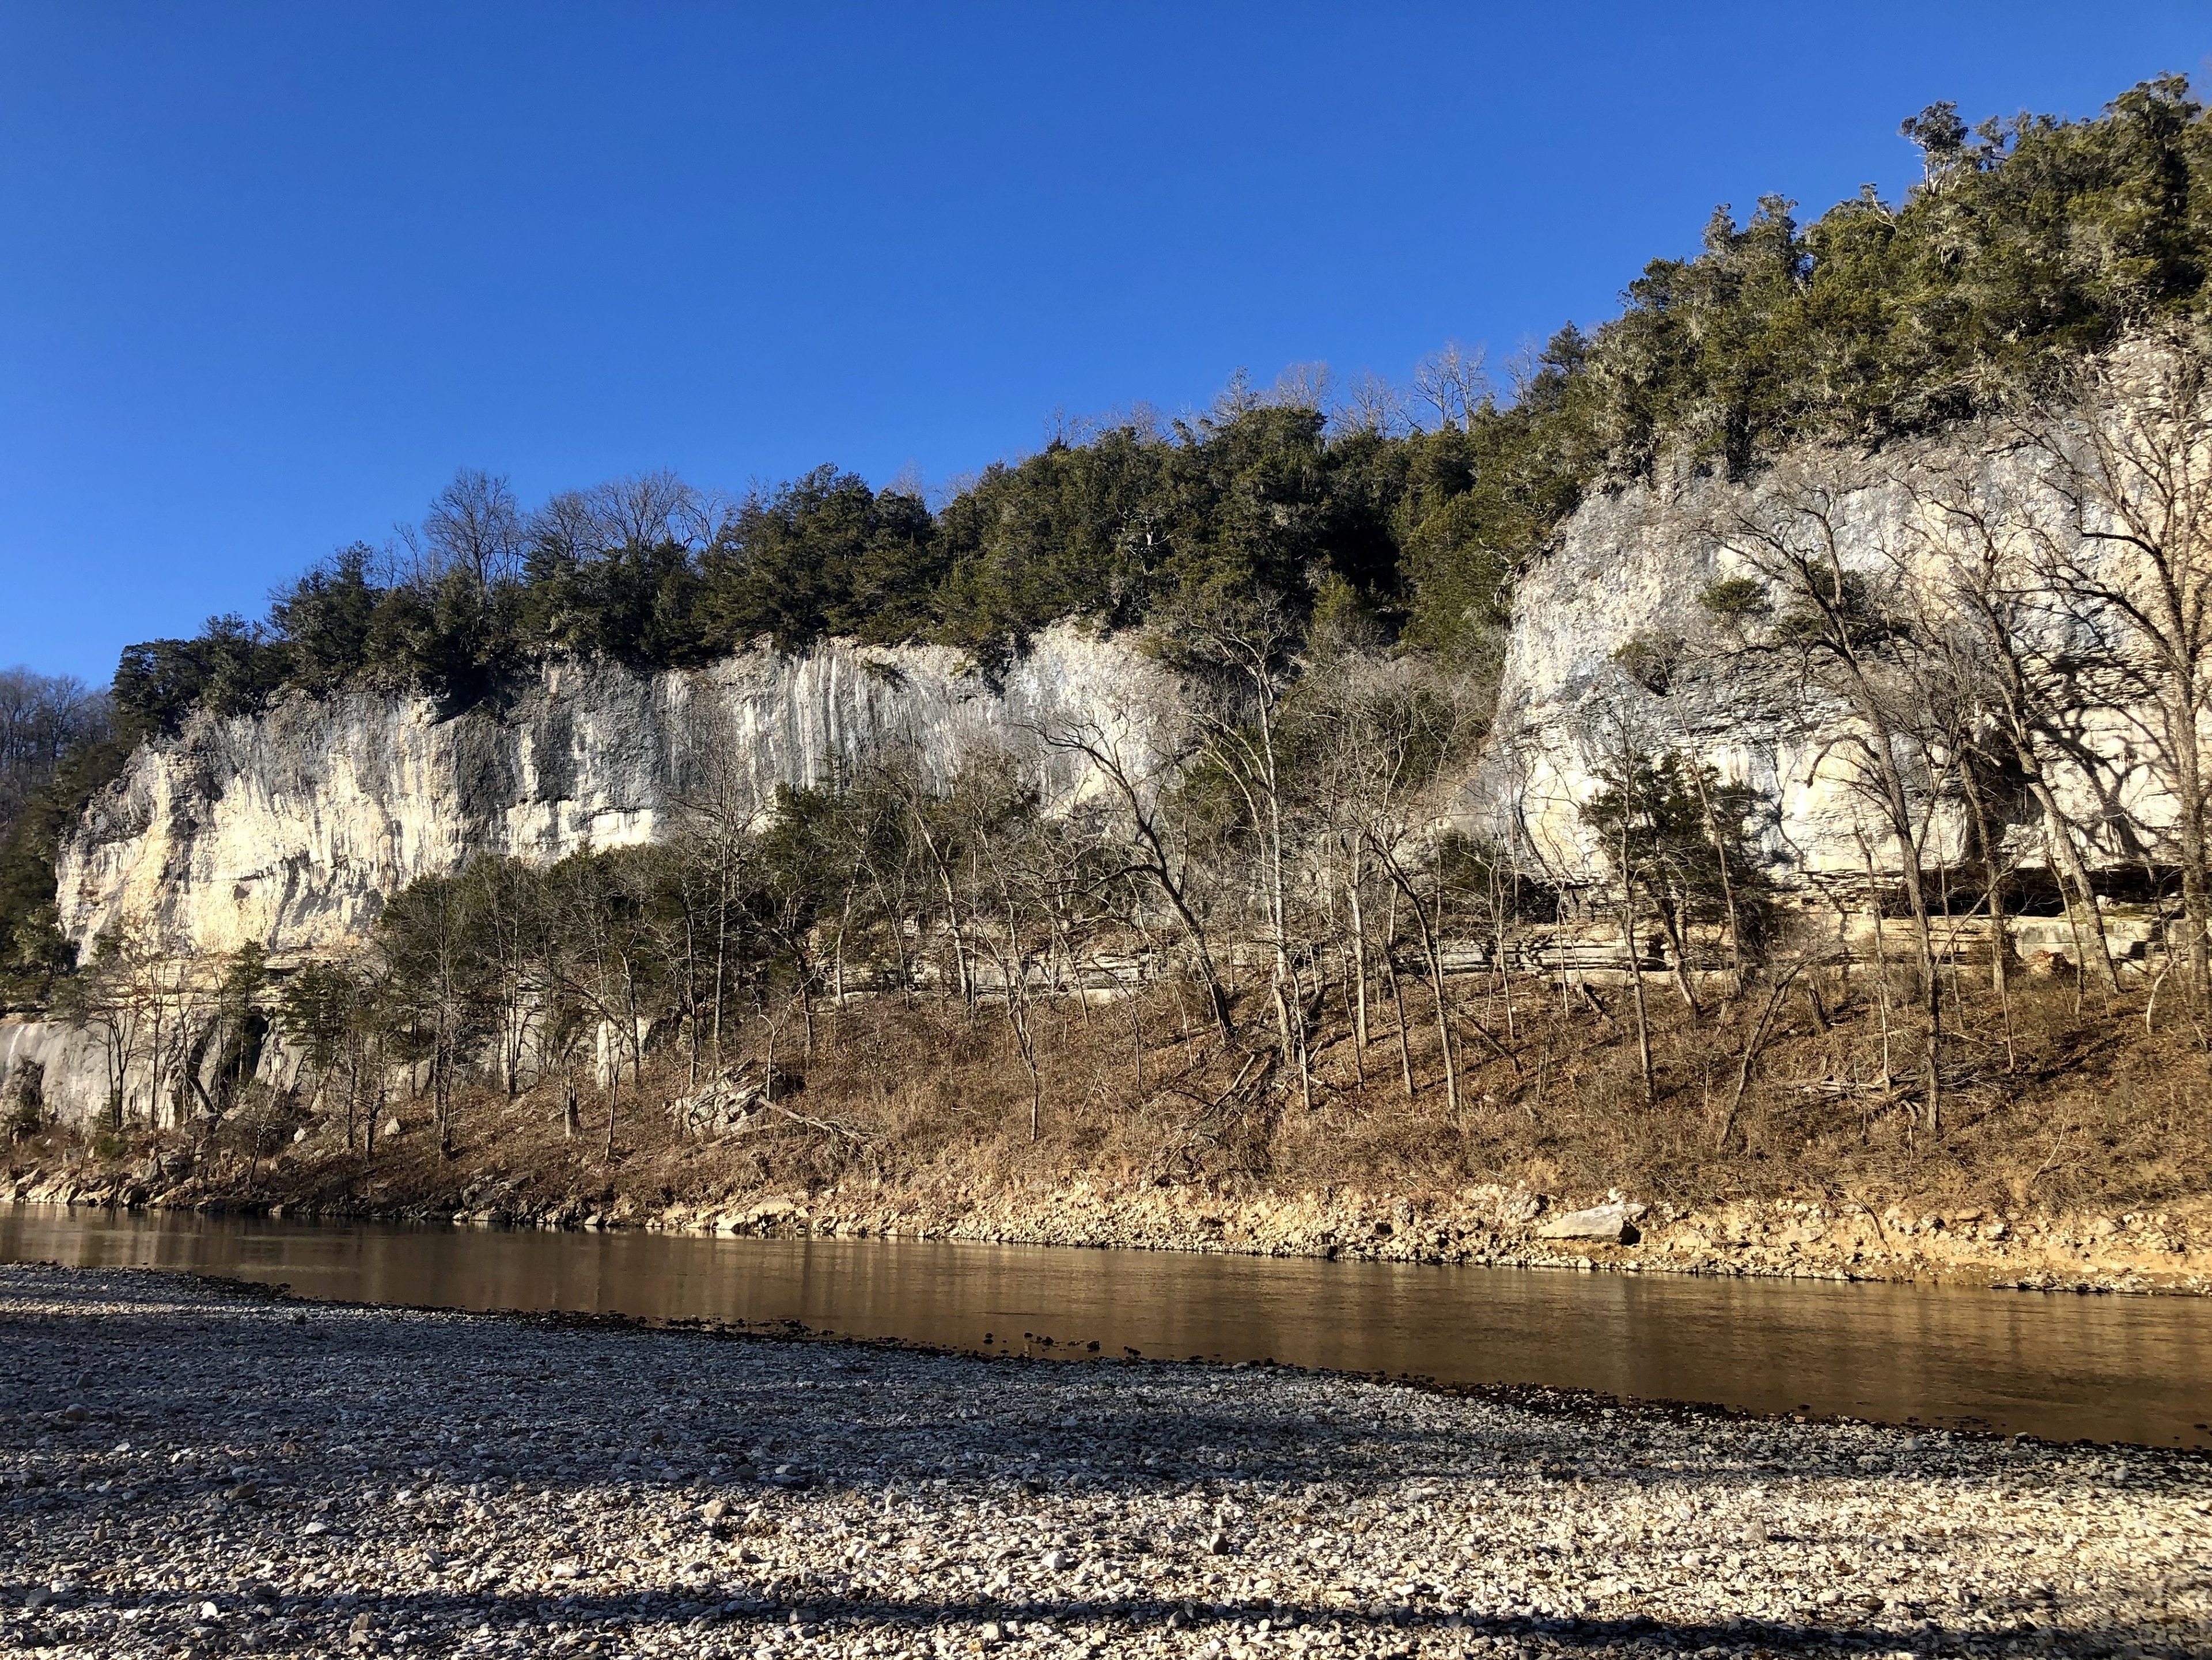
(1615, 1222)
(1369, 1519)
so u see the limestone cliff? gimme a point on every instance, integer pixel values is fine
(1610, 649)
(289, 829)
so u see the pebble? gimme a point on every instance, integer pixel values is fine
(425, 1483)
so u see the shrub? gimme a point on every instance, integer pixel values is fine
(27, 1114)
(1650, 661)
(1735, 599)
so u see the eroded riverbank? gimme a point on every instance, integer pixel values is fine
(193, 1469)
(2165, 1250)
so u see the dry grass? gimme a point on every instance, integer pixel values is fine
(2054, 1101)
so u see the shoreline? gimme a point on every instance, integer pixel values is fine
(323, 1478)
(2167, 1252)
(1573, 1403)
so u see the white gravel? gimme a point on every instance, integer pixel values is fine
(193, 1470)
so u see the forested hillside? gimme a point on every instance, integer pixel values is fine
(1401, 513)
(1846, 492)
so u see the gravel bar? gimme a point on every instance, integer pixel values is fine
(191, 1469)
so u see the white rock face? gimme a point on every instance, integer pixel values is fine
(70, 1064)
(1630, 567)
(291, 830)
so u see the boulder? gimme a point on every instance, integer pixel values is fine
(1614, 1222)
(732, 1100)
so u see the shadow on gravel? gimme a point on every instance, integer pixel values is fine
(397, 1613)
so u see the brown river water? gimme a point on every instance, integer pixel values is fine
(2136, 1369)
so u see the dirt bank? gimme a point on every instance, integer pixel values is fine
(2168, 1252)
(2075, 1155)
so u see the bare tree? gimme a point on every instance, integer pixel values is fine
(2030, 663)
(1453, 383)
(1395, 730)
(1149, 847)
(1371, 403)
(1016, 882)
(717, 813)
(606, 963)
(1839, 627)
(927, 819)
(644, 510)
(1305, 386)
(107, 997)
(474, 525)
(42, 718)
(431, 941)
(1240, 653)
(569, 527)
(2126, 446)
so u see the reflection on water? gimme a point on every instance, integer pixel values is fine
(2111, 1368)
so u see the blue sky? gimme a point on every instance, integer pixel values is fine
(270, 273)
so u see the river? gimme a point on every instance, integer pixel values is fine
(2134, 1369)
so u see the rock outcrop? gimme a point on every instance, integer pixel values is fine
(1611, 651)
(289, 829)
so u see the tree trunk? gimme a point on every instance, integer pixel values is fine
(1435, 957)
(1497, 911)
(1915, 898)
(1397, 993)
(2059, 835)
(1727, 887)
(1880, 954)
(1358, 956)
(1669, 913)
(1636, 979)
(1993, 892)
(2189, 782)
